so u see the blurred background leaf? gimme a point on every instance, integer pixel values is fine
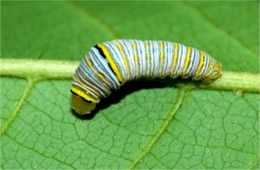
(130, 129)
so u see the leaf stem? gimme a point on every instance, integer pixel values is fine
(53, 69)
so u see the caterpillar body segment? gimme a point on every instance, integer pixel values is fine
(109, 65)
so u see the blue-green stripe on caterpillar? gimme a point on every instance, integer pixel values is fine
(109, 65)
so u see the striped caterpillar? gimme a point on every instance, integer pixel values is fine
(108, 65)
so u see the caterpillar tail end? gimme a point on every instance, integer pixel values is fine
(214, 74)
(81, 106)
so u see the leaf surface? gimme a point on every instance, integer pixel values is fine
(146, 124)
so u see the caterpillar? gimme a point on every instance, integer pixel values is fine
(109, 65)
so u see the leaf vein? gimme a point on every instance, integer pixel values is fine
(39, 153)
(206, 18)
(105, 25)
(162, 129)
(17, 108)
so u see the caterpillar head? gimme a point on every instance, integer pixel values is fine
(213, 72)
(81, 102)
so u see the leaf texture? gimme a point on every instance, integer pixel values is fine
(146, 124)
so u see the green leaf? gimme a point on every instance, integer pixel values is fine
(146, 124)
